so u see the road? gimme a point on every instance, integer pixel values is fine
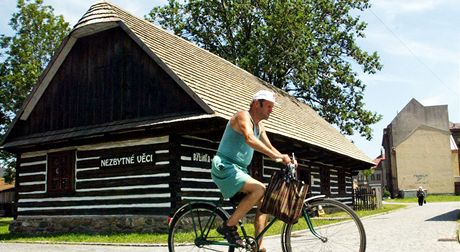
(429, 228)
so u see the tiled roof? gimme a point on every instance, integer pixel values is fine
(218, 86)
(378, 160)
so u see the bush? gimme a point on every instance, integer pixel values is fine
(386, 193)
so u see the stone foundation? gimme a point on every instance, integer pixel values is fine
(90, 224)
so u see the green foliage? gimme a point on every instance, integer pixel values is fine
(367, 173)
(386, 193)
(430, 199)
(151, 238)
(8, 167)
(305, 47)
(386, 208)
(38, 33)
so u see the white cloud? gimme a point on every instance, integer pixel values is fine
(443, 99)
(402, 29)
(433, 52)
(398, 6)
(384, 78)
(71, 10)
(404, 47)
(433, 100)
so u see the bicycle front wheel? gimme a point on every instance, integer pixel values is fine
(334, 227)
(193, 228)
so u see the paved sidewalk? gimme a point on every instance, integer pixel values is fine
(430, 228)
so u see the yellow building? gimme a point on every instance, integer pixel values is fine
(418, 149)
(454, 145)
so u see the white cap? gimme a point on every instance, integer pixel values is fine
(265, 95)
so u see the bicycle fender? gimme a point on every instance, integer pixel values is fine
(315, 198)
(196, 205)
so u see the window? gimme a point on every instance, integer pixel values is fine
(61, 170)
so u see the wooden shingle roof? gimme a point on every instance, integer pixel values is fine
(218, 86)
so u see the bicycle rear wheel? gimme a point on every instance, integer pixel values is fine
(337, 226)
(193, 228)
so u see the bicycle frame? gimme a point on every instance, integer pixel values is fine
(308, 220)
(304, 214)
(310, 226)
(196, 224)
(261, 234)
(202, 237)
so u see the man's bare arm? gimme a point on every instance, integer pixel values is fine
(242, 124)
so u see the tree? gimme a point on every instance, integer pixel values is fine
(367, 173)
(23, 57)
(306, 47)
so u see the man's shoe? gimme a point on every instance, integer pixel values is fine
(231, 234)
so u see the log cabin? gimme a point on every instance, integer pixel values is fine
(121, 127)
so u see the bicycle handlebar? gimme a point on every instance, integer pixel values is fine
(291, 167)
(279, 160)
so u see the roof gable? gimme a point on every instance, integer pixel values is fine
(414, 115)
(105, 78)
(413, 107)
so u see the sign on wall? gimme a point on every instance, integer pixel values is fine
(128, 159)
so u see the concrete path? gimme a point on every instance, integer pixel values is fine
(430, 228)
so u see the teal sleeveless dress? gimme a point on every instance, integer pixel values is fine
(229, 167)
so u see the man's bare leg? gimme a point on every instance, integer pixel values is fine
(255, 191)
(259, 223)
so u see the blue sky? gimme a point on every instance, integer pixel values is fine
(418, 42)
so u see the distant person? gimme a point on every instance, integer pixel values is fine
(420, 196)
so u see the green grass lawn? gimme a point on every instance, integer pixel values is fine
(429, 198)
(384, 209)
(5, 235)
(135, 237)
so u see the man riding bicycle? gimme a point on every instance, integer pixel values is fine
(243, 134)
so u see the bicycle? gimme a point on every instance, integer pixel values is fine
(325, 225)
